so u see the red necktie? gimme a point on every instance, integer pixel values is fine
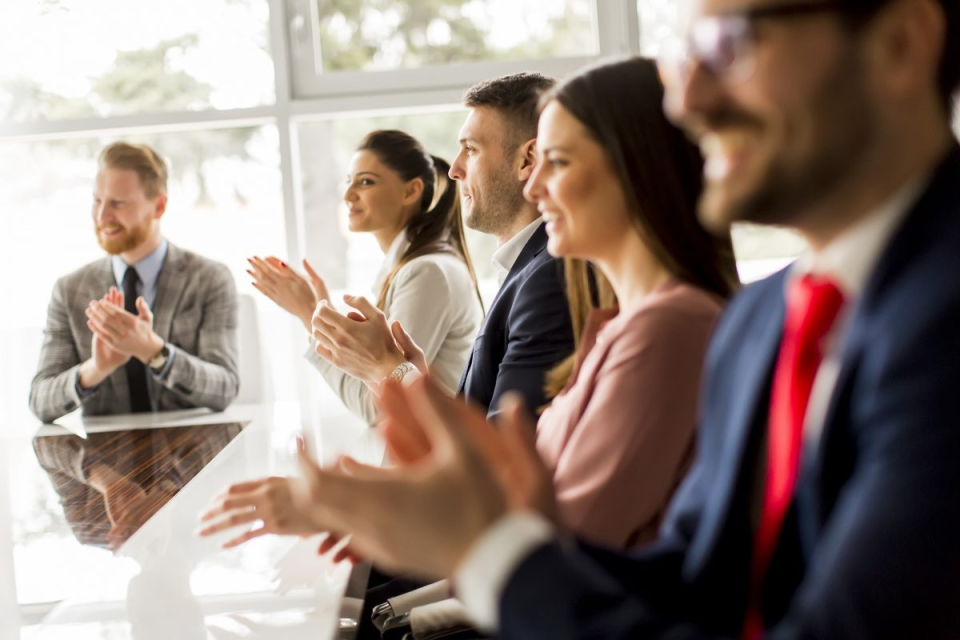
(812, 306)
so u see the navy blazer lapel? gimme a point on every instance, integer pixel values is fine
(913, 236)
(534, 247)
(463, 376)
(742, 407)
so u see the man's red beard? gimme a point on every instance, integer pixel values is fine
(128, 239)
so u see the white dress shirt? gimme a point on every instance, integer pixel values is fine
(849, 261)
(506, 256)
(434, 299)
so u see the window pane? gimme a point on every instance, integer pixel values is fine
(388, 34)
(224, 202)
(658, 19)
(87, 58)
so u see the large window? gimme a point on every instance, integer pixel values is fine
(361, 46)
(387, 35)
(76, 58)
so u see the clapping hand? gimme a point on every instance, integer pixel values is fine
(120, 330)
(424, 514)
(291, 291)
(361, 343)
(274, 504)
(106, 359)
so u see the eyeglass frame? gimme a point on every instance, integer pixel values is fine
(737, 27)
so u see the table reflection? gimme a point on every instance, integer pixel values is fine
(101, 542)
(110, 484)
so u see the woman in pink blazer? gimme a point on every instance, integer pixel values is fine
(617, 185)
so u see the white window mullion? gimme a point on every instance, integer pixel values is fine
(618, 27)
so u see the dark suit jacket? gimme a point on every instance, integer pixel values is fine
(527, 331)
(870, 545)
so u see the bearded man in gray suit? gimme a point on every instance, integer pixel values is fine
(151, 327)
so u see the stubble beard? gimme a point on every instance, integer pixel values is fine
(788, 191)
(501, 203)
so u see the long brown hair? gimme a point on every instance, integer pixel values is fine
(661, 172)
(431, 229)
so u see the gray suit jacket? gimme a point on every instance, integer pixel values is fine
(195, 310)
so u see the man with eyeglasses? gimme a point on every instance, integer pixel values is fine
(825, 502)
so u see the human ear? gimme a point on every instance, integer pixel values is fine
(527, 154)
(413, 191)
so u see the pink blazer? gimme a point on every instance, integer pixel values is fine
(620, 437)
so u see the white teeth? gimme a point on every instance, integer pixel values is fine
(548, 216)
(716, 167)
(719, 151)
(709, 145)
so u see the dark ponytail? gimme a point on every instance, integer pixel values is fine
(437, 225)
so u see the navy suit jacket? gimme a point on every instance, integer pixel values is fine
(526, 333)
(871, 544)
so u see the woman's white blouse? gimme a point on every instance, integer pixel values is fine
(434, 299)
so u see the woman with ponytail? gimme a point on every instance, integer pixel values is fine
(403, 196)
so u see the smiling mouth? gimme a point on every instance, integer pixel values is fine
(722, 154)
(549, 216)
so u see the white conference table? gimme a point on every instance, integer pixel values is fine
(59, 579)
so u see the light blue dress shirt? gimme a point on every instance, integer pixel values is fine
(147, 269)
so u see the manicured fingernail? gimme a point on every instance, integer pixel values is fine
(283, 264)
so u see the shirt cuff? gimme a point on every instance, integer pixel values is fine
(491, 561)
(167, 366)
(79, 393)
(311, 354)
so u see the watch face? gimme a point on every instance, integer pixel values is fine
(160, 359)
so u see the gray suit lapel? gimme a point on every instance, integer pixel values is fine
(169, 292)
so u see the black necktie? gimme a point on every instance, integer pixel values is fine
(136, 372)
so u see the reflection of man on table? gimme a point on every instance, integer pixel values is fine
(151, 327)
(112, 483)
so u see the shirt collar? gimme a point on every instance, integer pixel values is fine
(851, 258)
(391, 258)
(506, 256)
(148, 269)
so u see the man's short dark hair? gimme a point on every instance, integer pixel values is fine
(516, 98)
(949, 74)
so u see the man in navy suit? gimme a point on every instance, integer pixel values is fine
(824, 502)
(527, 330)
